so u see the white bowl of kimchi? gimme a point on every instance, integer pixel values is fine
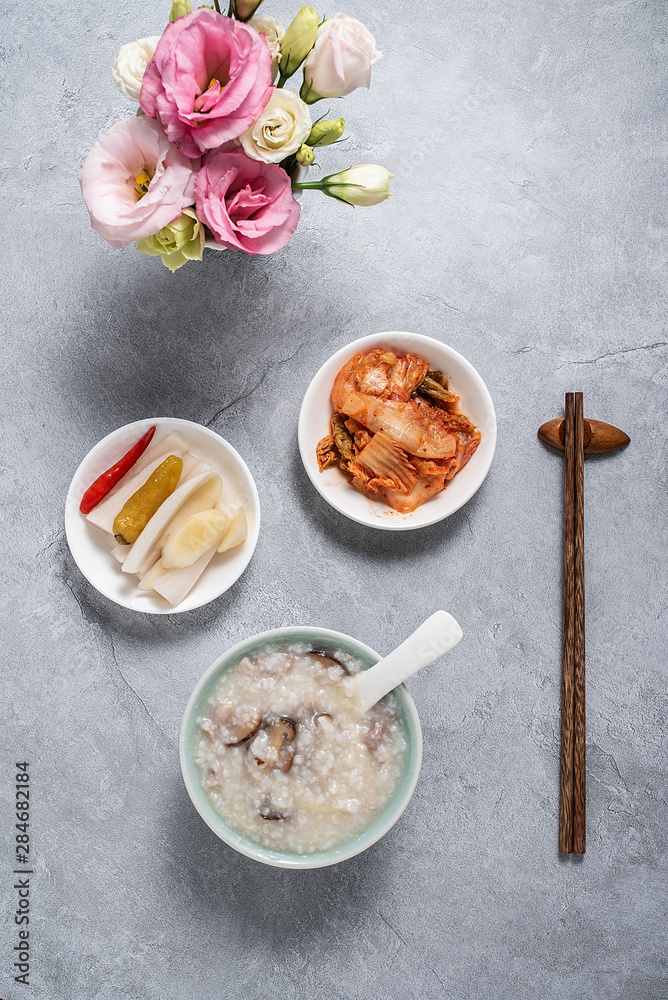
(374, 509)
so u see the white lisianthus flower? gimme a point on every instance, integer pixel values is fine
(280, 130)
(340, 61)
(365, 184)
(130, 63)
(273, 31)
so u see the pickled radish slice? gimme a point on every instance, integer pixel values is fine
(175, 584)
(236, 533)
(204, 498)
(197, 535)
(148, 546)
(226, 508)
(155, 572)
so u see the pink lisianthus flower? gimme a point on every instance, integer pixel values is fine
(208, 81)
(135, 182)
(247, 204)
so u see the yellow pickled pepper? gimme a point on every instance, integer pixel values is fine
(142, 505)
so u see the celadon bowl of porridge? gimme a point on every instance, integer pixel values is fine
(280, 764)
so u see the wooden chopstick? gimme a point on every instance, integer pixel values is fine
(579, 764)
(572, 804)
(566, 800)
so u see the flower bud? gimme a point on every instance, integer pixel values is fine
(340, 60)
(298, 41)
(305, 155)
(243, 10)
(365, 184)
(177, 243)
(179, 9)
(325, 132)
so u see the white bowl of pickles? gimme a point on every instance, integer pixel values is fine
(162, 516)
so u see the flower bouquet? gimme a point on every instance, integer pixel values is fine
(218, 147)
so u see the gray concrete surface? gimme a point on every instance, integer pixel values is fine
(528, 230)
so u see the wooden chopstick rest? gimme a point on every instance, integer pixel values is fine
(599, 438)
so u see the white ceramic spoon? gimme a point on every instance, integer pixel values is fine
(435, 637)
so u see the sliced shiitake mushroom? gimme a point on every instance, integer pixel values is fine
(272, 746)
(283, 728)
(326, 660)
(267, 811)
(323, 721)
(233, 732)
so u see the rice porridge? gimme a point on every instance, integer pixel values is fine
(283, 756)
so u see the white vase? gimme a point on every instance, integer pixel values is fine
(298, 174)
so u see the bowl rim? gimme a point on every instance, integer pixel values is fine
(370, 340)
(243, 844)
(72, 509)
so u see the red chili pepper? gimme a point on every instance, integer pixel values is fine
(106, 482)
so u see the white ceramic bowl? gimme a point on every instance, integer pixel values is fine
(476, 403)
(91, 549)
